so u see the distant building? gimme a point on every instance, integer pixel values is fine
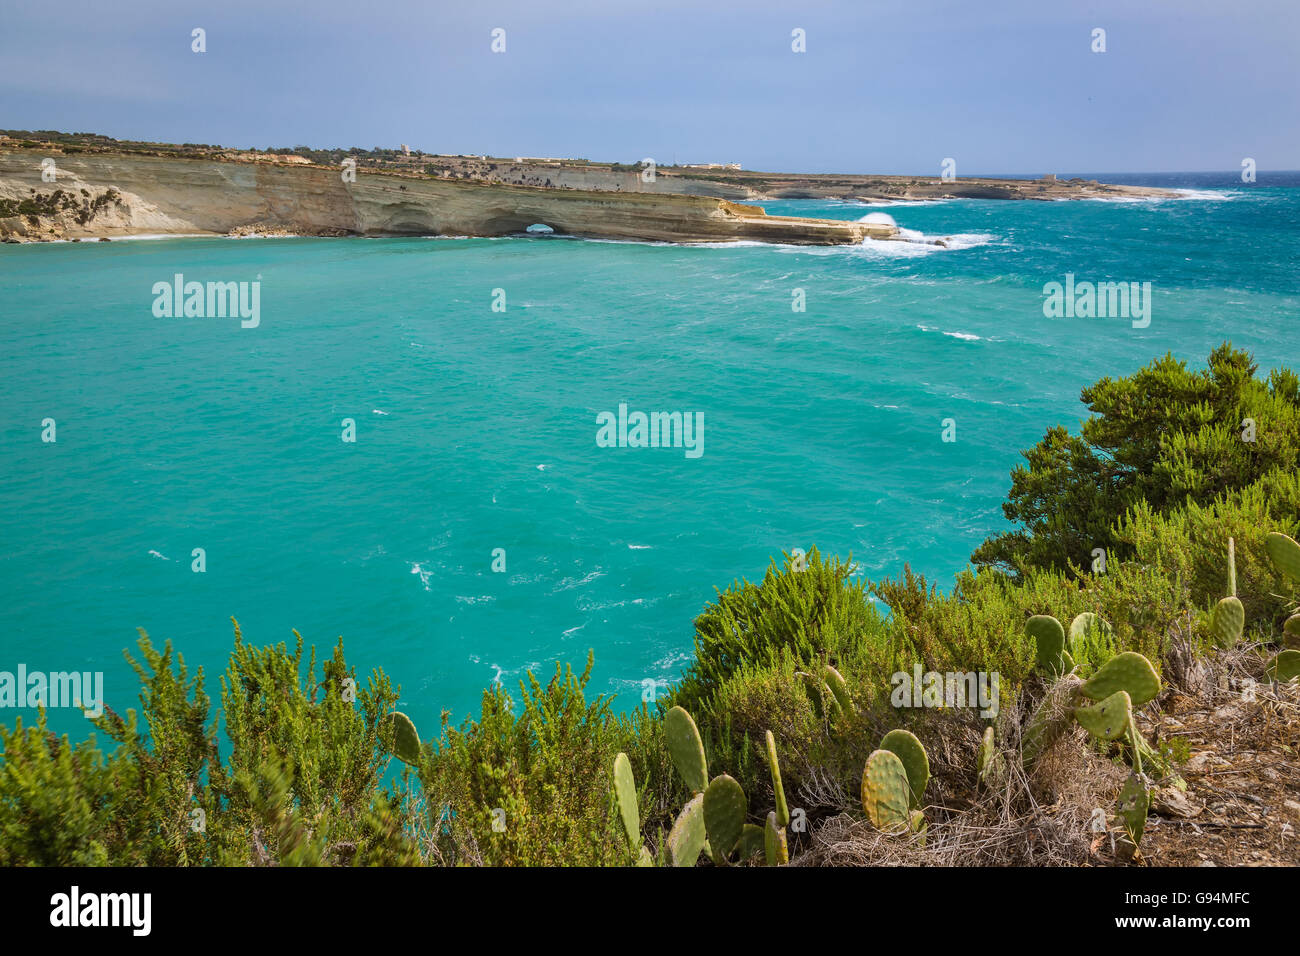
(711, 166)
(406, 150)
(1050, 178)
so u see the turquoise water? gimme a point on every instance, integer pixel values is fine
(476, 429)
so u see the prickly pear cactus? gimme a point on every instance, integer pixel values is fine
(1049, 643)
(753, 841)
(1109, 719)
(816, 691)
(988, 746)
(886, 792)
(1084, 625)
(990, 761)
(686, 839)
(904, 745)
(1285, 667)
(406, 742)
(1291, 632)
(778, 850)
(782, 809)
(1089, 635)
(1284, 553)
(625, 794)
(687, 749)
(1128, 671)
(919, 827)
(1227, 622)
(1134, 802)
(839, 688)
(724, 815)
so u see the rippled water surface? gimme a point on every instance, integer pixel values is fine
(476, 428)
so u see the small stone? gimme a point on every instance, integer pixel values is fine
(1169, 802)
(1201, 762)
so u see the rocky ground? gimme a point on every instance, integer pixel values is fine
(1242, 804)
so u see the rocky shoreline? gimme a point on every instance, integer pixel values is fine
(105, 195)
(59, 191)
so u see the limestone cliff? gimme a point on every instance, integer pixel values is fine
(104, 194)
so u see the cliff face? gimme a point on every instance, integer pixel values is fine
(746, 185)
(105, 194)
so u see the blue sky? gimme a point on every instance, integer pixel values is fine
(885, 85)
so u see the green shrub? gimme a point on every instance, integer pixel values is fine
(59, 804)
(549, 769)
(1165, 436)
(817, 614)
(1190, 545)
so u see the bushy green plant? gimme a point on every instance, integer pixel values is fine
(815, 613)
(300, 779)
(1180, 544)
(1162, 437)
(549, 768)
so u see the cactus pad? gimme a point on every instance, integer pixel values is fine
(1227, 622)
(885, 791)
(1109, 719)
(1129, 671)
(1049, 642)
(687, 749)
(625, 794)
(1086, 623)
(1134, 802)
(918, 825)
(406, 742)
(839, 688)
(1291, 631)
(778, 851)
(778, 790)
(1284, 553)
(686, 839)
(990, 760)
(752, 841)
(1087, 631)
(904, 745)
(724, 814)
(984, 756)
(1285, 667)
(816, 691)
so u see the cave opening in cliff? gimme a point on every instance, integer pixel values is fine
(540, 229)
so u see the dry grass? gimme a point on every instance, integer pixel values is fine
(1241, 772)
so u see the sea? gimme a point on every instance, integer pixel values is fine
(405, 448)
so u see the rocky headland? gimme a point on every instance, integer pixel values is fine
(80, 186)
(104, 195)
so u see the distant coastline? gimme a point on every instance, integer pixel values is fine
(64, 186)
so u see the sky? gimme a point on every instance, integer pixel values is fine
(888, 86)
